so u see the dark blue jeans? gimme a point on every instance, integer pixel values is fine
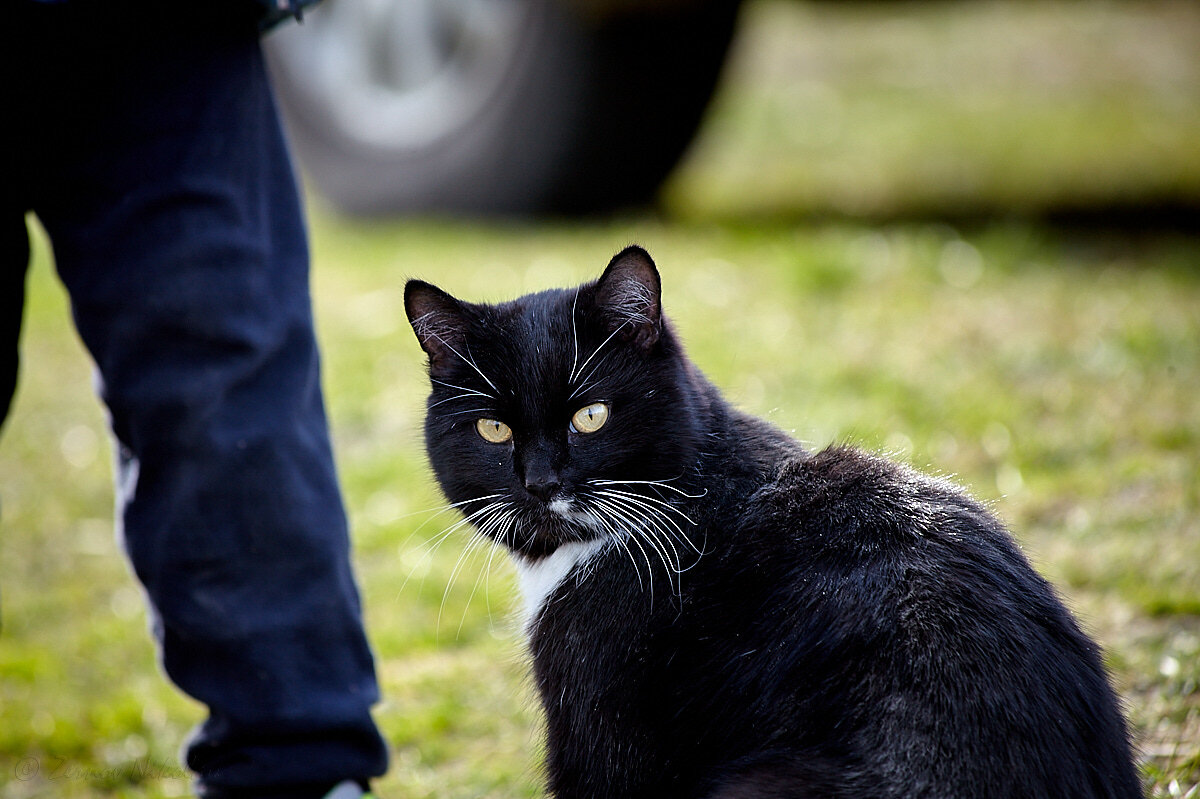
(150, 149)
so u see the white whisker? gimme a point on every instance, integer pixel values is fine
(632, 516)
(483, 521)
(489, 533)
(457, 398)
(470, 410)
(649, 565)
(473, 544)
(654, 519)
(468, 361)
(445, 507)
(625, 529)
(431, 545)
(466, 391)
(653, 538)
(642, 498)
(643, 503)
(594, 354)
(620, 538)
(585, 387)
(574, 338)
(658, 483)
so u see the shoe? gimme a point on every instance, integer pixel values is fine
(349, 789)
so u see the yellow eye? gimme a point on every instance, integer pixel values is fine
(590, 418)
(493, 431)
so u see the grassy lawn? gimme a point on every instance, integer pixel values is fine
(1054, 372)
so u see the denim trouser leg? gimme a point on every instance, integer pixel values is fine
(14, 260)
(178, 232)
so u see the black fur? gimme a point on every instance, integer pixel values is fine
(842, 626)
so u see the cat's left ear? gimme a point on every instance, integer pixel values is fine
(438, 320)
(629, 293)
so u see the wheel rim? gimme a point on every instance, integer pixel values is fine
(400, 74)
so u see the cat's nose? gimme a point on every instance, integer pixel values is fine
(543, 486)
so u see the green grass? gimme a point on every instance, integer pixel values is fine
(1055, 374)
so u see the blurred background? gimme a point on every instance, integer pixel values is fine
(879, 110)
(961, 233)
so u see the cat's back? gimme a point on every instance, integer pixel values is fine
(845, 511)
(849, 499)
(904, 613)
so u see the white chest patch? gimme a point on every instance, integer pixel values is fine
(538, 579)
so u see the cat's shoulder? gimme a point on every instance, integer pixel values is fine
(849, 495)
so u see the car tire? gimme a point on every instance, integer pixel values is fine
(523, 107)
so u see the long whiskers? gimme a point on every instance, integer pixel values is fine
(575, 373)
(648, 520)
(651, 506)
(649, 524)
(466, 393)
(433, 513)
(654, 505)
(660, 534)
(656, 483)
(488, 528)
(469, 361)
(636, 534)
(433, 544)
(574, 335)
(493, 517)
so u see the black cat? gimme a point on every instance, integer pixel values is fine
(715, 611)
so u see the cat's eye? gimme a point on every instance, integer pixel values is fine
(493, 431)
(590, 418)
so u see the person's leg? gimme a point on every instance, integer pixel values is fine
(178, 232)
(14, 261)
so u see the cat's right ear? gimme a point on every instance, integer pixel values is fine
(438, 320)
(629, 294)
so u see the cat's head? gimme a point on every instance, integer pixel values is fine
(558, 416)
